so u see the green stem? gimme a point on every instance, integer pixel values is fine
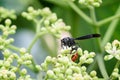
(92, 14)
(104, 21)
(117, 64)
(110, 29)
(79, 12)
(33, 67)
(38, 23)
(92, 66)
(99, 56)
(32, 43)
(14, 48)
(102, 66)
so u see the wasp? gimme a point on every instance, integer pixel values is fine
(70, 42)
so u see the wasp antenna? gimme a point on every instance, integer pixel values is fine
(88, 36)
(96, 35)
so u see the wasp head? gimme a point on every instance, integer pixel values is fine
(67, 42)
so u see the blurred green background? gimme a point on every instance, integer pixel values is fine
(79, 27)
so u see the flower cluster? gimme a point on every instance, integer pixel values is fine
(115, 74)
(63, 68)
(4, 13)
(95, 3)
(8, 70)
(12, 62)
(47, 22)
(113, 50)
(6, 30)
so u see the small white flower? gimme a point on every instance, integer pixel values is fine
(113, 49)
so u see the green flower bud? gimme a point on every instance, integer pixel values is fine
(93, 73)
(13, 27)
(82, 59)
(11, 40)
(1, 47)
(38, 67)
(6, 53)
(5, 33)
(20, 61)
(7, 64)
(67, 27)
(1, 26)
(78, 77)
(90, 60)
(48, 59)
(45, 12)
(53, 17)
(57, 65)
(23, 58)
(15, 56)
(1, 63)
(14, 69)
(68, 71)
(60, 76)
(116, 43)
(7, 42)
(86, 53)
(117, 56)
(43, 29)
(63, 60)
(79, 50)
(12, 31)
(22, 50)
(108, 46)
(27, 62)
(52, 30)
(46, 23)
(27, 76)
(50, 74)
(5, 77)
(24, 14)
(35, 13)
(119, 78)
(95, 78)
(54, 60)
(75, 69)
(83, 68)
(27, 56)
(23, 72)
(96, 4)
(108, 57)
(91, 54)
(69, 77)
(10, 59)
(81, 1)
(8, 22)
(30, 9)
(115, 74)
(29, 17)
(44, 66)
(57, 70)
(12, 76)
(65, 51)
(86, 77)
(116, 70)
(0, 76)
